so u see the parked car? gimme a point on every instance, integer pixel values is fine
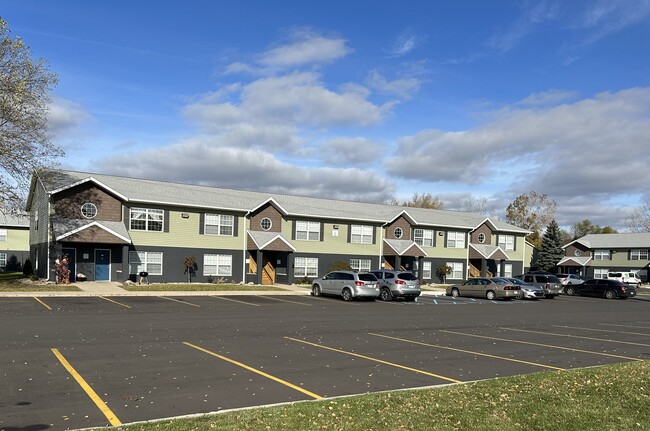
(570, 279)
(606, 288)
(550, 283)
(490, 288)
(625, 277)
(396, 284)
(528, 291)
(347, 284)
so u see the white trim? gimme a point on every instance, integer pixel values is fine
(95, 263)
(89, 179)
(280, 207)
(95, 223)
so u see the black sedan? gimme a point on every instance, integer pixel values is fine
(610, 289)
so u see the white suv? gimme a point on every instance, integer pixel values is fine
(625, 277)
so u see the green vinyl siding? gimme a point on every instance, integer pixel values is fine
(17, 239)
(619, 258)
(329, 243)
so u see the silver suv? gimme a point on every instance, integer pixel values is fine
(395, 284)
(551, 284)
(347, 284)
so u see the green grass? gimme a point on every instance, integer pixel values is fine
(10, 282)
(192, 287)
(612, 397)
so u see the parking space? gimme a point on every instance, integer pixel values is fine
(154, 357)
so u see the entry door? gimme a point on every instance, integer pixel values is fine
(72, 263)
(268, 272)
(102, 265)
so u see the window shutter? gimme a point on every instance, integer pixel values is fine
(235, 225)
(322, 231)
(374, 235)
(166, 222)
(293, 230)
(202, 224)
(349, 234)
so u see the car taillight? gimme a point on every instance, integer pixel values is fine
(400, 282)
(510, 288)
(359, 283)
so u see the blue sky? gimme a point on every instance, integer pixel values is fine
(361, 100)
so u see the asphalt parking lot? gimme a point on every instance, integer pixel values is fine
(77, 362)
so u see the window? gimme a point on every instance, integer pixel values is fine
(457, 272)
(481, 238)
(217, 264)
(89, 210)
(600, 273)
(507, 270)
(423, 237)
(398, 232)
(147, 219)
(639, 255)
(601, 255)
(577, 253)
(147, 261)
(308, 230)
(305, 267)
(456, 240)
(219, 224)
(3, 235)
(266, 223)
(361, 234)
(3, 260)
(507, 242)
(360, 264)
(426, 269)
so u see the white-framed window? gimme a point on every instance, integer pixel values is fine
(3, 260)
(426, 270)
(360, 264)
(3, 235)
(147, 219)
(423, 237)
(600, 273)
(219, 224)
(360, 234)
(457, 270)
(639, 254)
(507, 242)
(217, 264)
(266, 223)
(147, 261)
(305, 267)
(398, 232)
(455, 239)
(601, 255)
(89, 210)
(507, 270)
(308, 230)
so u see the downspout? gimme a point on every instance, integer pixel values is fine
(244, 271)
(381, 246)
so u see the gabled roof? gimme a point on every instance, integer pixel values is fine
(14, 220)
(64, 228)
(490, 251)
(580, 261)
(273, 203)
(401, 246)
(613, 240)
(264, 239)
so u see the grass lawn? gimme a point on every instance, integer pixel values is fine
(191, 287)
(611, 397)
(10, 282)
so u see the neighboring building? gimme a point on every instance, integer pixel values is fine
(113, 228)
(597, 254)
(14, 241)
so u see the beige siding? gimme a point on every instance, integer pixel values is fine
(17, 240)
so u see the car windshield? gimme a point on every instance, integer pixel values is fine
(548, 279)
(515, 281)
(367, 277)
(406, 276)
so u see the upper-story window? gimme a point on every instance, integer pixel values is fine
(3, 235)
(266, 223)
(639, 254)
(455, 239)
(507, 242)
(423, 237)
(398, 232)
(308, 230)
(601, 255)
(219, 224)
(481, 238)
(361, 234)
(147, 219)
(89, 210)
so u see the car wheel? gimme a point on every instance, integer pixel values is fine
(570, 291)
(385, 294)
(315, 290)
(347, 294)
(455, 293)
(610, 294)
(490, 295)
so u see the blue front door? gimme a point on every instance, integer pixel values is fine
(102, 265)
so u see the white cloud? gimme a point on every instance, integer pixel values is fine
(533, 15)
(404, 44)
(305, 47)
(349, 151)
(403, 88)
(65, 117)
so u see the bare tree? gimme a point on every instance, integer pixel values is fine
(25, 84)
(424, 200)
(639, 219)
(532, 211)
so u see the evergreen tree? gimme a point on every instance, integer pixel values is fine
(551, 251)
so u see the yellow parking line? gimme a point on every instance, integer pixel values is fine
(415, 370)
(235, 300)
(286, 300)
(437, 346)
(577, 336)
(176, 300)
(43, 304)
(261, 373)
(644, 334)
(115, 302)
(114, 421)
(550, 346)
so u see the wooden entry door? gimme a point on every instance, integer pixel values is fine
(268, 272)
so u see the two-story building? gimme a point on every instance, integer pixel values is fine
(113, 228)
(595, 255)
(14, 241)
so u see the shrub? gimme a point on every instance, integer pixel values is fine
(340, 265)
(28, 270)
